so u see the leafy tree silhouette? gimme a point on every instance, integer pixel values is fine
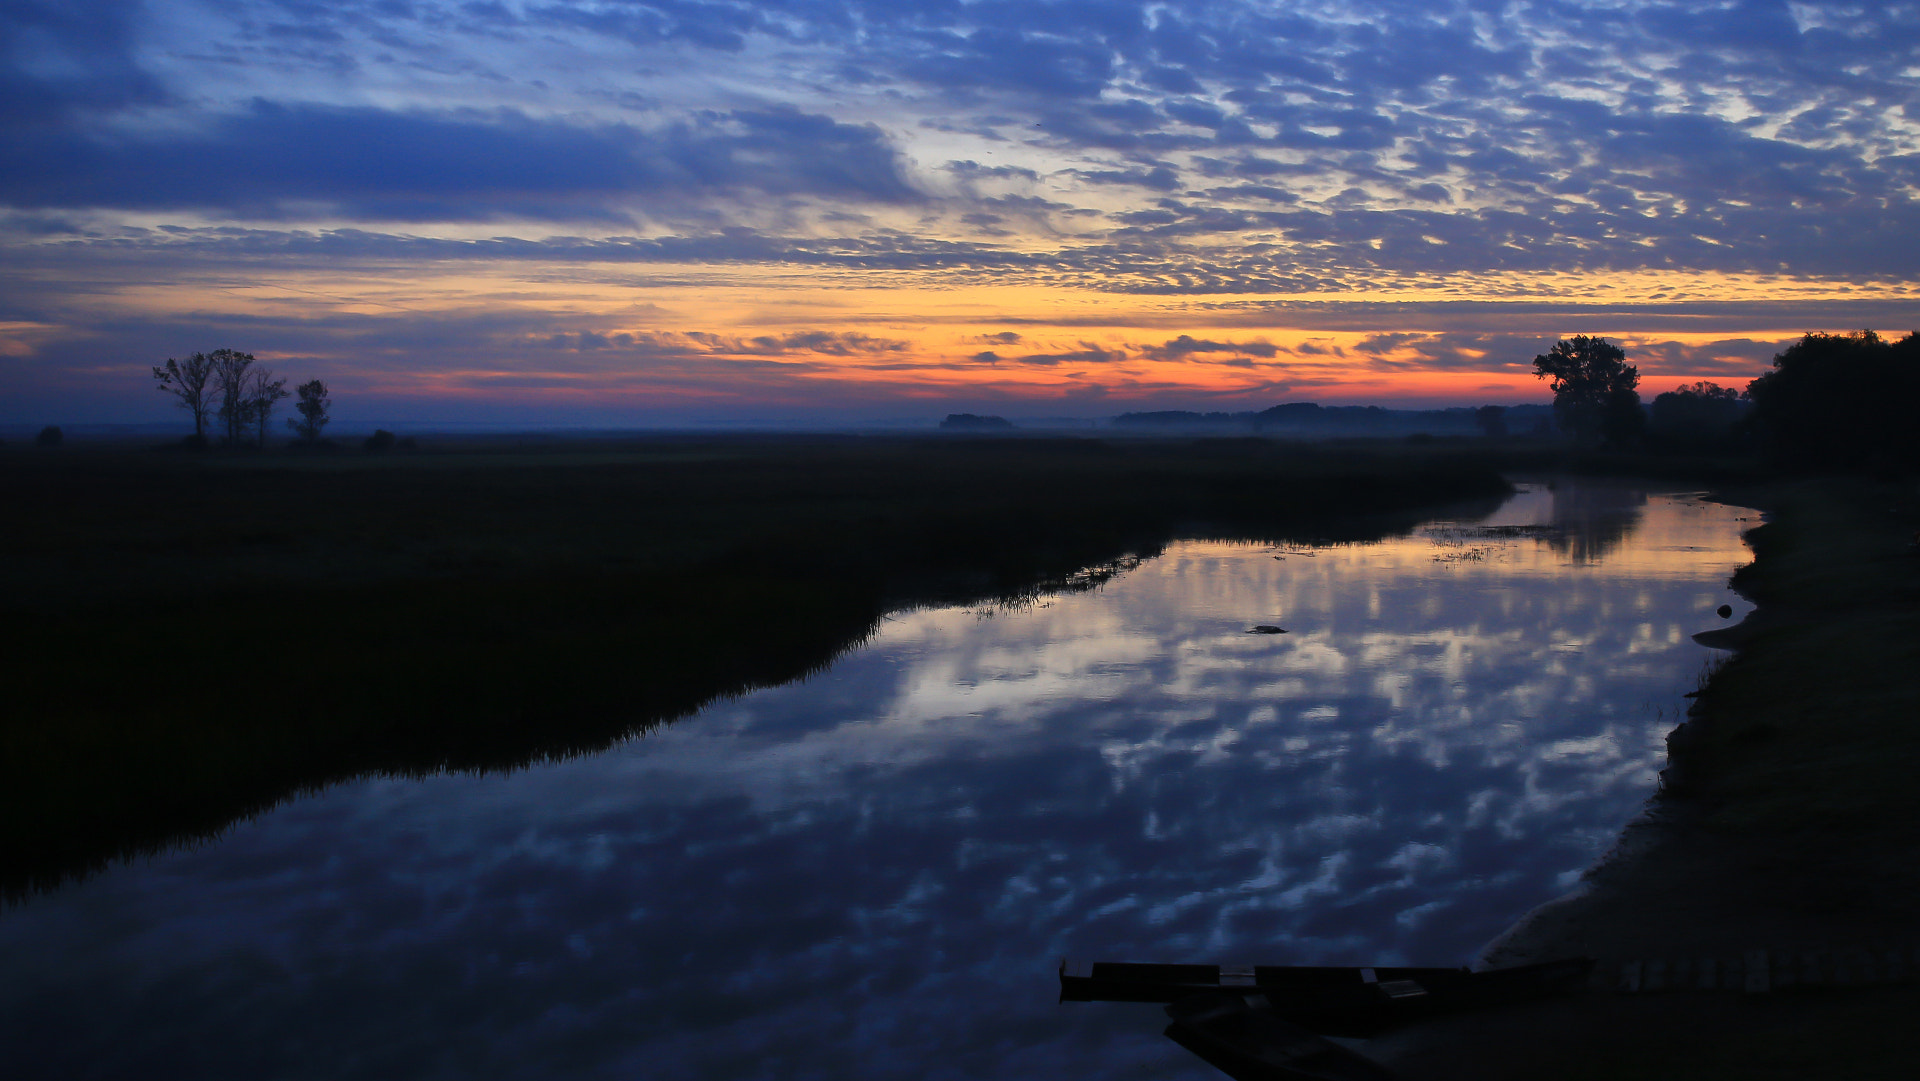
(1492, 420)
(1593, 390)
(312, 408)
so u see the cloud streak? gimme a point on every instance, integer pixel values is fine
(270, 161)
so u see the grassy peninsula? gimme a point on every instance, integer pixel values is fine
(196, 636)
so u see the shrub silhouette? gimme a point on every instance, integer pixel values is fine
(1696, 415)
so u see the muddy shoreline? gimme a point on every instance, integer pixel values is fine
(1688, 874)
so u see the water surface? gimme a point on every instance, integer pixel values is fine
(871, 873)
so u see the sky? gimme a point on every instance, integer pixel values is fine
(689, 212)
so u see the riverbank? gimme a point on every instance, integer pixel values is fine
(1790, 821)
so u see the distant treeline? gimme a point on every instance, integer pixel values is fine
(1309, 418)
(1831, 402)
(972, 422)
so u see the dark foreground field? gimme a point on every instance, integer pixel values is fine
(194, 637)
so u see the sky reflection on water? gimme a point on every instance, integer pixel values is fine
(870, 873)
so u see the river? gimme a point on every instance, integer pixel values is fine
(871, 873)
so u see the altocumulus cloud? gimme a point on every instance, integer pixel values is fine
(1382, 136)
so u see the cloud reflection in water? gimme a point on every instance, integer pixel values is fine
(867, 874)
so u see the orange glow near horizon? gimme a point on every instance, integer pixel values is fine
(706, 334)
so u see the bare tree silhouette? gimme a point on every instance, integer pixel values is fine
(187, 380)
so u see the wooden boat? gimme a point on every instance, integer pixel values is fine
(1243, 1037)
(1337, 1001)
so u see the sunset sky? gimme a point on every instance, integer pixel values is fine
(673, 212)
